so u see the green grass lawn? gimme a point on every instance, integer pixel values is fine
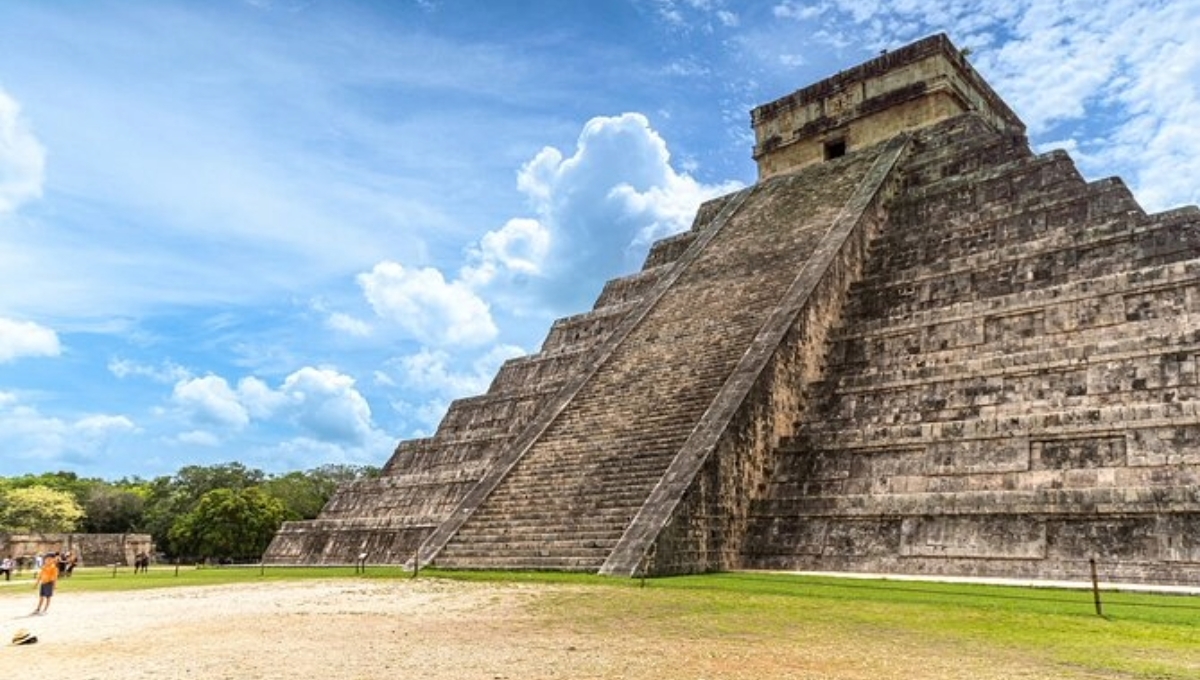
(1139, 636)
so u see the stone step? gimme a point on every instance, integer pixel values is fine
(517, 563)
(1027, 277)
(937, 158)
(525, 535)
(1124, 282)
(540, 504)
(633, 288)
(1168, 360)
(1022, 176)
(1041, 502)
(985, 242)
(1051, 424)
(612, 477)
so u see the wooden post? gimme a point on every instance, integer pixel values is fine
(1095, 588)
(416, 561)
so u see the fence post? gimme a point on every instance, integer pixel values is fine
(1095, 588)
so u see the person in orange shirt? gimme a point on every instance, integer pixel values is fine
(47, 577)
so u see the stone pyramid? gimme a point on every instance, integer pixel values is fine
(913, 346)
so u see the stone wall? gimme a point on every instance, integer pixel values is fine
(92, 549)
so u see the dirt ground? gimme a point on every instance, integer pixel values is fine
(426, 628)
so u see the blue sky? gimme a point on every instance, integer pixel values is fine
(289, 232)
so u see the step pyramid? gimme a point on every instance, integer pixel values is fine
(913, 346)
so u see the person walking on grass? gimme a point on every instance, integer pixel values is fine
(47, 577)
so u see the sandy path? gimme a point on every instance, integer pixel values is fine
(303, 629)
(427, 629)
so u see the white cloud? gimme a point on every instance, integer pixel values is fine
(426, 306)
(798, 10)
(211, 401)
(98, 425)
(22, 158)
(433, 371)
(320, 402)
(605, 204)
(519, 248)
(166, 372)
(597, 212)
(26, 339)
(326, 406)
(696, 15)
(32, 436)
(350, 325)
(445, 377)
(259, 400)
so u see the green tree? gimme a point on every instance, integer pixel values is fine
(67, 482)
(114, 510)
(305, 493)
(38, 509)
(170, 498)
(229, 523)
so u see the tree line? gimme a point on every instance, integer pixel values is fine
(225, 511)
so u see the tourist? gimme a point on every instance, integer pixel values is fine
(6, 567)
(47, 577)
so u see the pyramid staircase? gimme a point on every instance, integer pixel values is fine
(582, 475)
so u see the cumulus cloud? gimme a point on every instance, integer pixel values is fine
(434, 371)
(326, 406)
(319, 403)
(349, 325)
(26, 339)
(518, 248)
(440, 378)
(600, 208)
(22, 158)
(33, 436)
(427, 306)
(210, 400)
(596, 212)
(98, 425)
